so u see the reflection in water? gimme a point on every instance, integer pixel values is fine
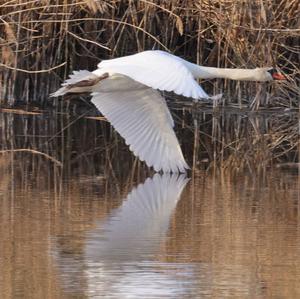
(227, 237)
(117, 254)
(69, 233)
(134, 231)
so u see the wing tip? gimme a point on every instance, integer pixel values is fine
(170, 166)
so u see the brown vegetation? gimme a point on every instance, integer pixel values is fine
(231, 140)
(41, 41)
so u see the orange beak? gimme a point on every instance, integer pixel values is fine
(278, 76)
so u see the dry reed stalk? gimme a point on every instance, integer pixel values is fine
(38, 36)
(27, 150)
(42, 41)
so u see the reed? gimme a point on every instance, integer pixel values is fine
(41, 41)
(230, 141)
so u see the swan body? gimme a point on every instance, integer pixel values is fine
(125, 90)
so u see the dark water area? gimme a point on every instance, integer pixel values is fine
(94, 222)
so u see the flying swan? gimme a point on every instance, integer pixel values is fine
(125, 90)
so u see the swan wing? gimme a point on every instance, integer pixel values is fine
(142, 118)
(156, 69)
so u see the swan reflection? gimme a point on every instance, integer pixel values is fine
(119, 253)
(135, 229)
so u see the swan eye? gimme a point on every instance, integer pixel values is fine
(276, 75)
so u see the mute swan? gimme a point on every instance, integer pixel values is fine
(125, 91)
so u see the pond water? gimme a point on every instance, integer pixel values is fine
(104, 226)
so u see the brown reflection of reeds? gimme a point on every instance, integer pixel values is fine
(64, 140)
(5, 162)
(24, 234)
(242, 225)
(42, 37)
(39, 209)
(245, 231)
(231, 140)
(237, 140)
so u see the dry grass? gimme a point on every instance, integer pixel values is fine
(41, 41)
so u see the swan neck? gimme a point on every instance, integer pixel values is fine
(204, 72)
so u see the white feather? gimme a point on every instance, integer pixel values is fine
(156, 69)
(142, 118)
(124, 90)
(76, 77)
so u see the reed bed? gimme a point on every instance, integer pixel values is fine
(228, 140)
(43, 40)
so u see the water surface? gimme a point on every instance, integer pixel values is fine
(96, 228)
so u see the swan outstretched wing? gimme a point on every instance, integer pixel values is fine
(142, 118)
(156, 69)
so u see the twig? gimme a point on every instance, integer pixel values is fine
(33, 152)
(32, 72)
(87, 40)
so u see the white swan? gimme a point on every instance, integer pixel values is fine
(125, 91)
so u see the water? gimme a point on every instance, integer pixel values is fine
(104, 226)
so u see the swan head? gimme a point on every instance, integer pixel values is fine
(272, 73)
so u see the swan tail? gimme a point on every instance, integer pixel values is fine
(79, 82)
(59, 92)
